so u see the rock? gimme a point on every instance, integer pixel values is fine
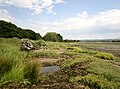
(27, 45)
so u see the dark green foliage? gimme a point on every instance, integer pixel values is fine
(68, 40)
(9, 30)
(53, 36)
(60, 38)
(32, 35)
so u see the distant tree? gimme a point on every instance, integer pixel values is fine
(67, 40)
(60, 38)
(53, 36)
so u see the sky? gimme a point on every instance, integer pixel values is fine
(73, 19)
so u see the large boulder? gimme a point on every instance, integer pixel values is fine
(27, 45)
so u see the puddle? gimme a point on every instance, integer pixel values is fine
(50, 69)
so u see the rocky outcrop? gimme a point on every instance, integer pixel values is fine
(27, 45)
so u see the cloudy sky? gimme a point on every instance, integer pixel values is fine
(73, 19)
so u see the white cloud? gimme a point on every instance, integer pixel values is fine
(108, 17)
(59, 1)
(37, 5)
(102, 21)
(49, 9)
(4, 15)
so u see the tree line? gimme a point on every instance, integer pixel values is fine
(10, 30)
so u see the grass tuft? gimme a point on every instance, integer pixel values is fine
(16, 74)
(6, 65)
(110, 71)
(104, 55)
(31, 72)
(98, 82)
(82, 58)
(43, 54)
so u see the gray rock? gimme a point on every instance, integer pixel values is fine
(27, 45)
(50, 69)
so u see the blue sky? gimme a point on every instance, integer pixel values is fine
(73, 19)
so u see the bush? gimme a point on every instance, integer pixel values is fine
(53, 36)
(41, 43)
(31, 72)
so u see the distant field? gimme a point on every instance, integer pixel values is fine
(110, 47)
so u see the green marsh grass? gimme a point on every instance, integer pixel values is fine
(31, 72)
(81, 58)
(43, 54)
(16, 74)
(56, 45)
(101, 74)
(6, 65)
(104, 55)
(84, 67)
(106, 69)
(11, 61)
(98, 82)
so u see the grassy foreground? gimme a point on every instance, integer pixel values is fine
(80, 68)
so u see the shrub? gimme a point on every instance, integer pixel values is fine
(31, 72)
(41, 43)
(53, 36)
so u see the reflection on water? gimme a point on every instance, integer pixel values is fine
(50, 69)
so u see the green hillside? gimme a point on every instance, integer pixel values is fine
(9, 30)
